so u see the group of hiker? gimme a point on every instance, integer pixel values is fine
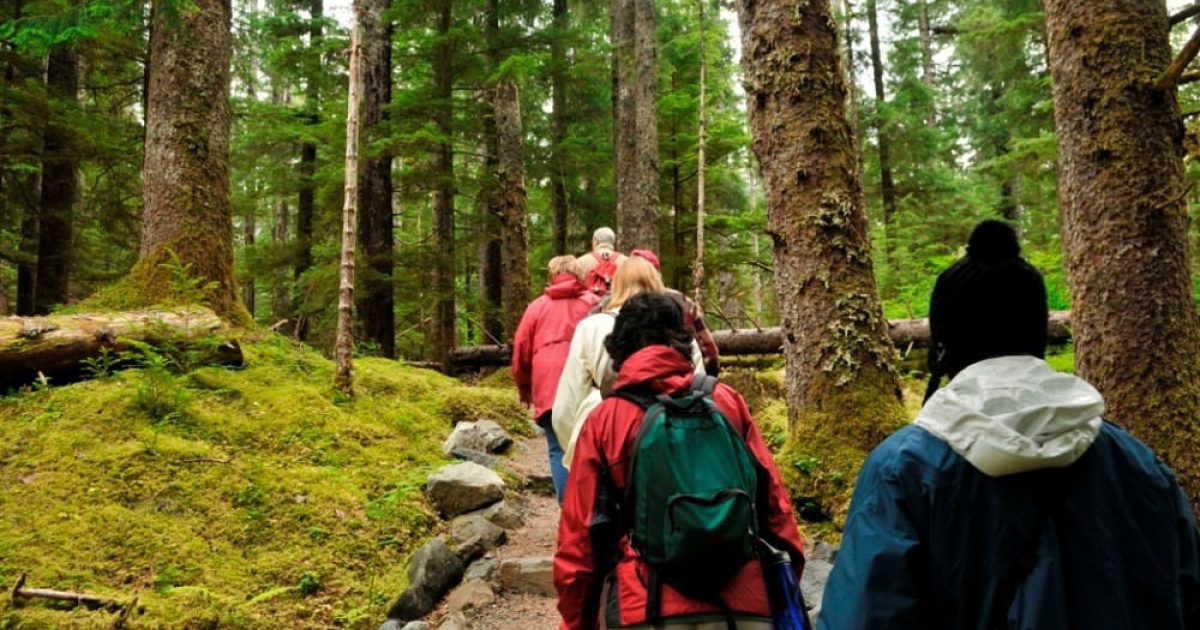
(1008, 503)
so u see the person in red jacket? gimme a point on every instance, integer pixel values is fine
(651, 349)
(540, 349)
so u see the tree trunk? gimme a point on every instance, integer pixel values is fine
(491, 248)
(444, 338)
(925, 33)
(60, 183)
(639, 227)
(377, 302)
(188, 213)
(558, 87)
(307, 197)
(343, 346)
(887, 186)
(856, 120)
(56, 346)
(702, 140)
(1125, 222)
(841, 375)
(281, 304)
(27, 264)
(621, 13)
(511, 203)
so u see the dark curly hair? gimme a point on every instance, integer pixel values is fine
(648, 319)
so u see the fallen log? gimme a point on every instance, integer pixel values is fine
(55, 348)
(905, 333)
(91, 602)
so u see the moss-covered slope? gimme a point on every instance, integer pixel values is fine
(231, 499)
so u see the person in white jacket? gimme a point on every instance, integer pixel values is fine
(583, 381)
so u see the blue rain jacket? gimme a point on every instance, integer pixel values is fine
(1010, 504)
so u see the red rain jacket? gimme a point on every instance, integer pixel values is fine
(544, 337)
(609, 433)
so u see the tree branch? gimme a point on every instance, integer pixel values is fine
(1185, 14)
(1170, 78)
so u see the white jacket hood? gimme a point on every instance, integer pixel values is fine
(1015, 414)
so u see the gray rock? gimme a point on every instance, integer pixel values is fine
(485, 436)
(393, 624)
(464, 487)
(412, 625)
(472, 535)
(812, 584)
(482, 569)
(529, 575)
(471, 595)
(504, 514)
(821, 551)
(432, 571)
(541, 484)
(472, 455)
(456, 621)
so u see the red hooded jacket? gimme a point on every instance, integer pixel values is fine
(544, 337)
(608, 436)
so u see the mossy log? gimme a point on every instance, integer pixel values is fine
(57, 346)
(905, 333)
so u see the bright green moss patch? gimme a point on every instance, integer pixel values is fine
(252, 500)
(468, 404)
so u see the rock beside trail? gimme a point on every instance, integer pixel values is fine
(529, 575)
(484, 435)
(396, 624)
(432, 571)
(482, 569)
(464, 487)
(812, 584)
(504, 514)
(541, 484)
(456, 621)
(478, 457)
(472, 535)
(470, 596)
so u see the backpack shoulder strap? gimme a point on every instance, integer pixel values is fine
(703, 385)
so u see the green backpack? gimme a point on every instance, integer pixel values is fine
(692, 494)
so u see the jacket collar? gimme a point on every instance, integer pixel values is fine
(661, 369)
(565, 286)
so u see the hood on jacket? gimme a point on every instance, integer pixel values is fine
(565, 286)
(660, 368)
(1015, 414)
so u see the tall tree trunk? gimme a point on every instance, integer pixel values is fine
(188, 212)
(27, 265)
(307, 198)
(377, 302)
(841, 375)
(639, 226)
(491, 248)
(887, 186)
(856, 120)
(281, 304)
(249, 227)
(511, 202)
(60, 183)
(702, 141)
(443, 197)
(343, 347)
(621, 13)
(925, 33)
(1125, 222)
(558, 87)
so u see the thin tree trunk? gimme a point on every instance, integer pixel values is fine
(925, 33)
(281, 304)
(511, 202)
(702, 140)
(639, 227)
(491, 253)
(376, 304)
(443, 198)
(847, 383)
(558, 87)
(343, 347)
(1125, 222)
(28, 249)
(887, 185)
(624, 114)
(188, 213)
(307, 197)
(856, 120)
(60, 184)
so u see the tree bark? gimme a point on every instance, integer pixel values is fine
(444, 338)
(491, 248)
(511, 202)
(887, 186)
(928, 76)
(56, 346)
(639, 227)
(856, 120)
(841, 375)
(702, 140)
(558, 86)
(621, 14)
(377, 301)
(1125, 222)
(281, 304)
(188, 212)
(343, 346)
(60, 183)
(27, 264)
(306, 200)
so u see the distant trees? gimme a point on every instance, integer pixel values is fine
(1125, 222)
(841, 375)
(60, 184)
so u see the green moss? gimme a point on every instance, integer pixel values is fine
(500, 379)
(265, 504)
(468, 404)
(758, 387)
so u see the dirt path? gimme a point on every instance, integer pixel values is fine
(518, 611)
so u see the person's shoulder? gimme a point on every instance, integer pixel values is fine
(909, 448)
(1129, 456)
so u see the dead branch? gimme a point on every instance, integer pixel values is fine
(91, 602)
(1185, 14)
(1171, 77)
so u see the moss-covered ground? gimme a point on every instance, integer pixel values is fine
(226, 499)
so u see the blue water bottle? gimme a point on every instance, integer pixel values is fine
(787, 602)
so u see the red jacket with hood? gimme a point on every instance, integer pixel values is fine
(544, 336)
(608, 436)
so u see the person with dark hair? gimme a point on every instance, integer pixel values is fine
(652, 352)
(1010, 502)
(693, 318)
